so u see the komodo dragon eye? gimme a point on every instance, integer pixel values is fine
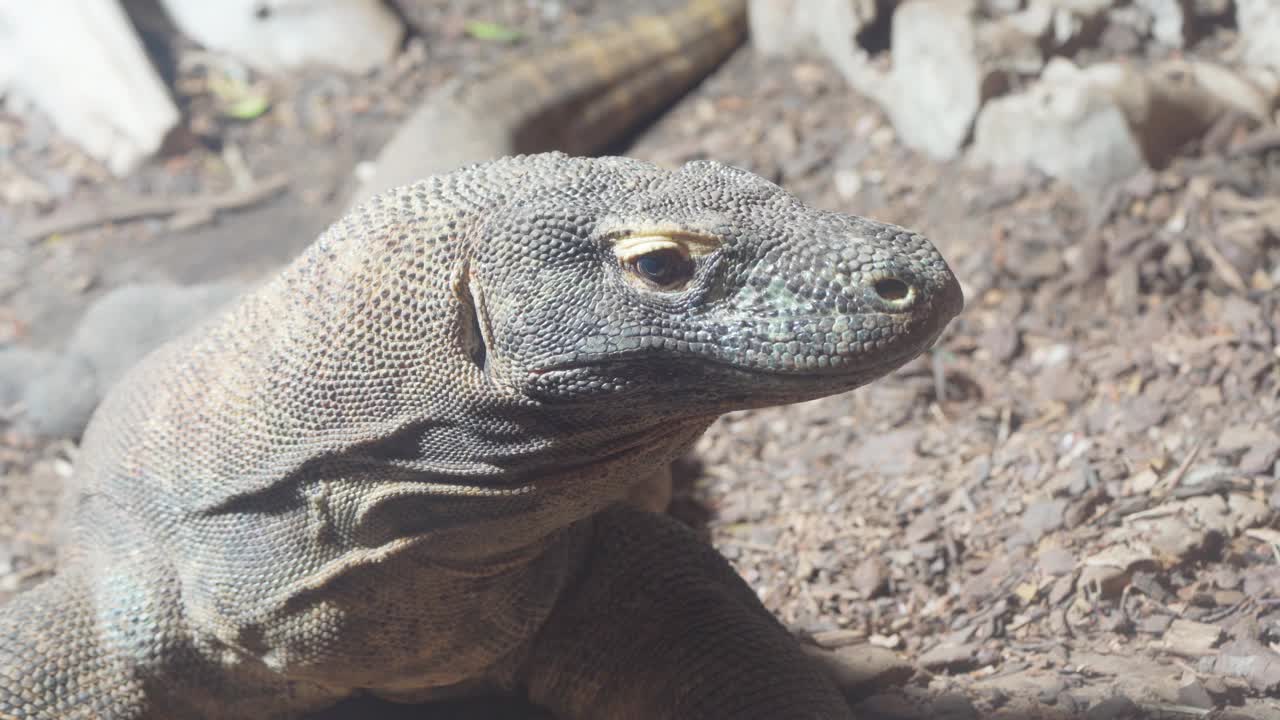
(663, 268)
(661, 262)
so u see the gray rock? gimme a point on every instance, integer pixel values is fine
(1246, 512)
(950, 658)
(936, 85)
(788, 28)
(871, 576)
(1155, 624)
(1195, 695)
(56, 393)
(1116, 708)
(1056, 561)
(1260, 581)
(19, 367)
(861, 670)
(1097, 126)
(946, 59)
(1168, 21)
(1191, 639)
(1259, 23)
(1261, 450)
(131, 321)
(60, 401)
(1026, 683)
(1247, 659)
(1043, 517)
(954, 706)
(1069, 22)
(1064, 125)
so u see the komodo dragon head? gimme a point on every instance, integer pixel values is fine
(692, 292)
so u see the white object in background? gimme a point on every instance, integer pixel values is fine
(273, 35)
(1259, 23)
(81, 63)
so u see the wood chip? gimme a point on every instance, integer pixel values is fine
(1189, 638)
(950, 658)
(862, 669)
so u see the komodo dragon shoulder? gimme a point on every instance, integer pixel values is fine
(578, 96)
(396, 467)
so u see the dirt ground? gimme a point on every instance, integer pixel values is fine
(1069, 508)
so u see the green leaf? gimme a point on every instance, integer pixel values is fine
(485, 30)
(248, 107)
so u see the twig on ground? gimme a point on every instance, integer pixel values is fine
(1175, 477)
(1221, 264)
(1259, 142)
(78, 219)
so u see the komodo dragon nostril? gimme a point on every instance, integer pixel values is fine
(894, 292)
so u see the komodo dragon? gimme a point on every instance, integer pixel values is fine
(395, 468)
(579, 96)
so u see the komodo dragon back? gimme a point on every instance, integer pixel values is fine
(396, 467)
(577, 97)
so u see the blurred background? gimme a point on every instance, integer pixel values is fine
(1068, 508)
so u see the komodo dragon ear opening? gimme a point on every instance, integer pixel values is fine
(472, 335)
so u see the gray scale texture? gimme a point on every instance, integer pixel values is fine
(397, 467)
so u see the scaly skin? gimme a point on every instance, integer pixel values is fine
(397, 467)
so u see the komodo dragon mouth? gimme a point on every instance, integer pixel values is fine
(718, 365)
(852, 366)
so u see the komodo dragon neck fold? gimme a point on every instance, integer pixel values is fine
(335, 487)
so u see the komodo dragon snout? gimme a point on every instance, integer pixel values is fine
(709, 287)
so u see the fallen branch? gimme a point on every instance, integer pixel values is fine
(81, 218)
(1261, 141)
